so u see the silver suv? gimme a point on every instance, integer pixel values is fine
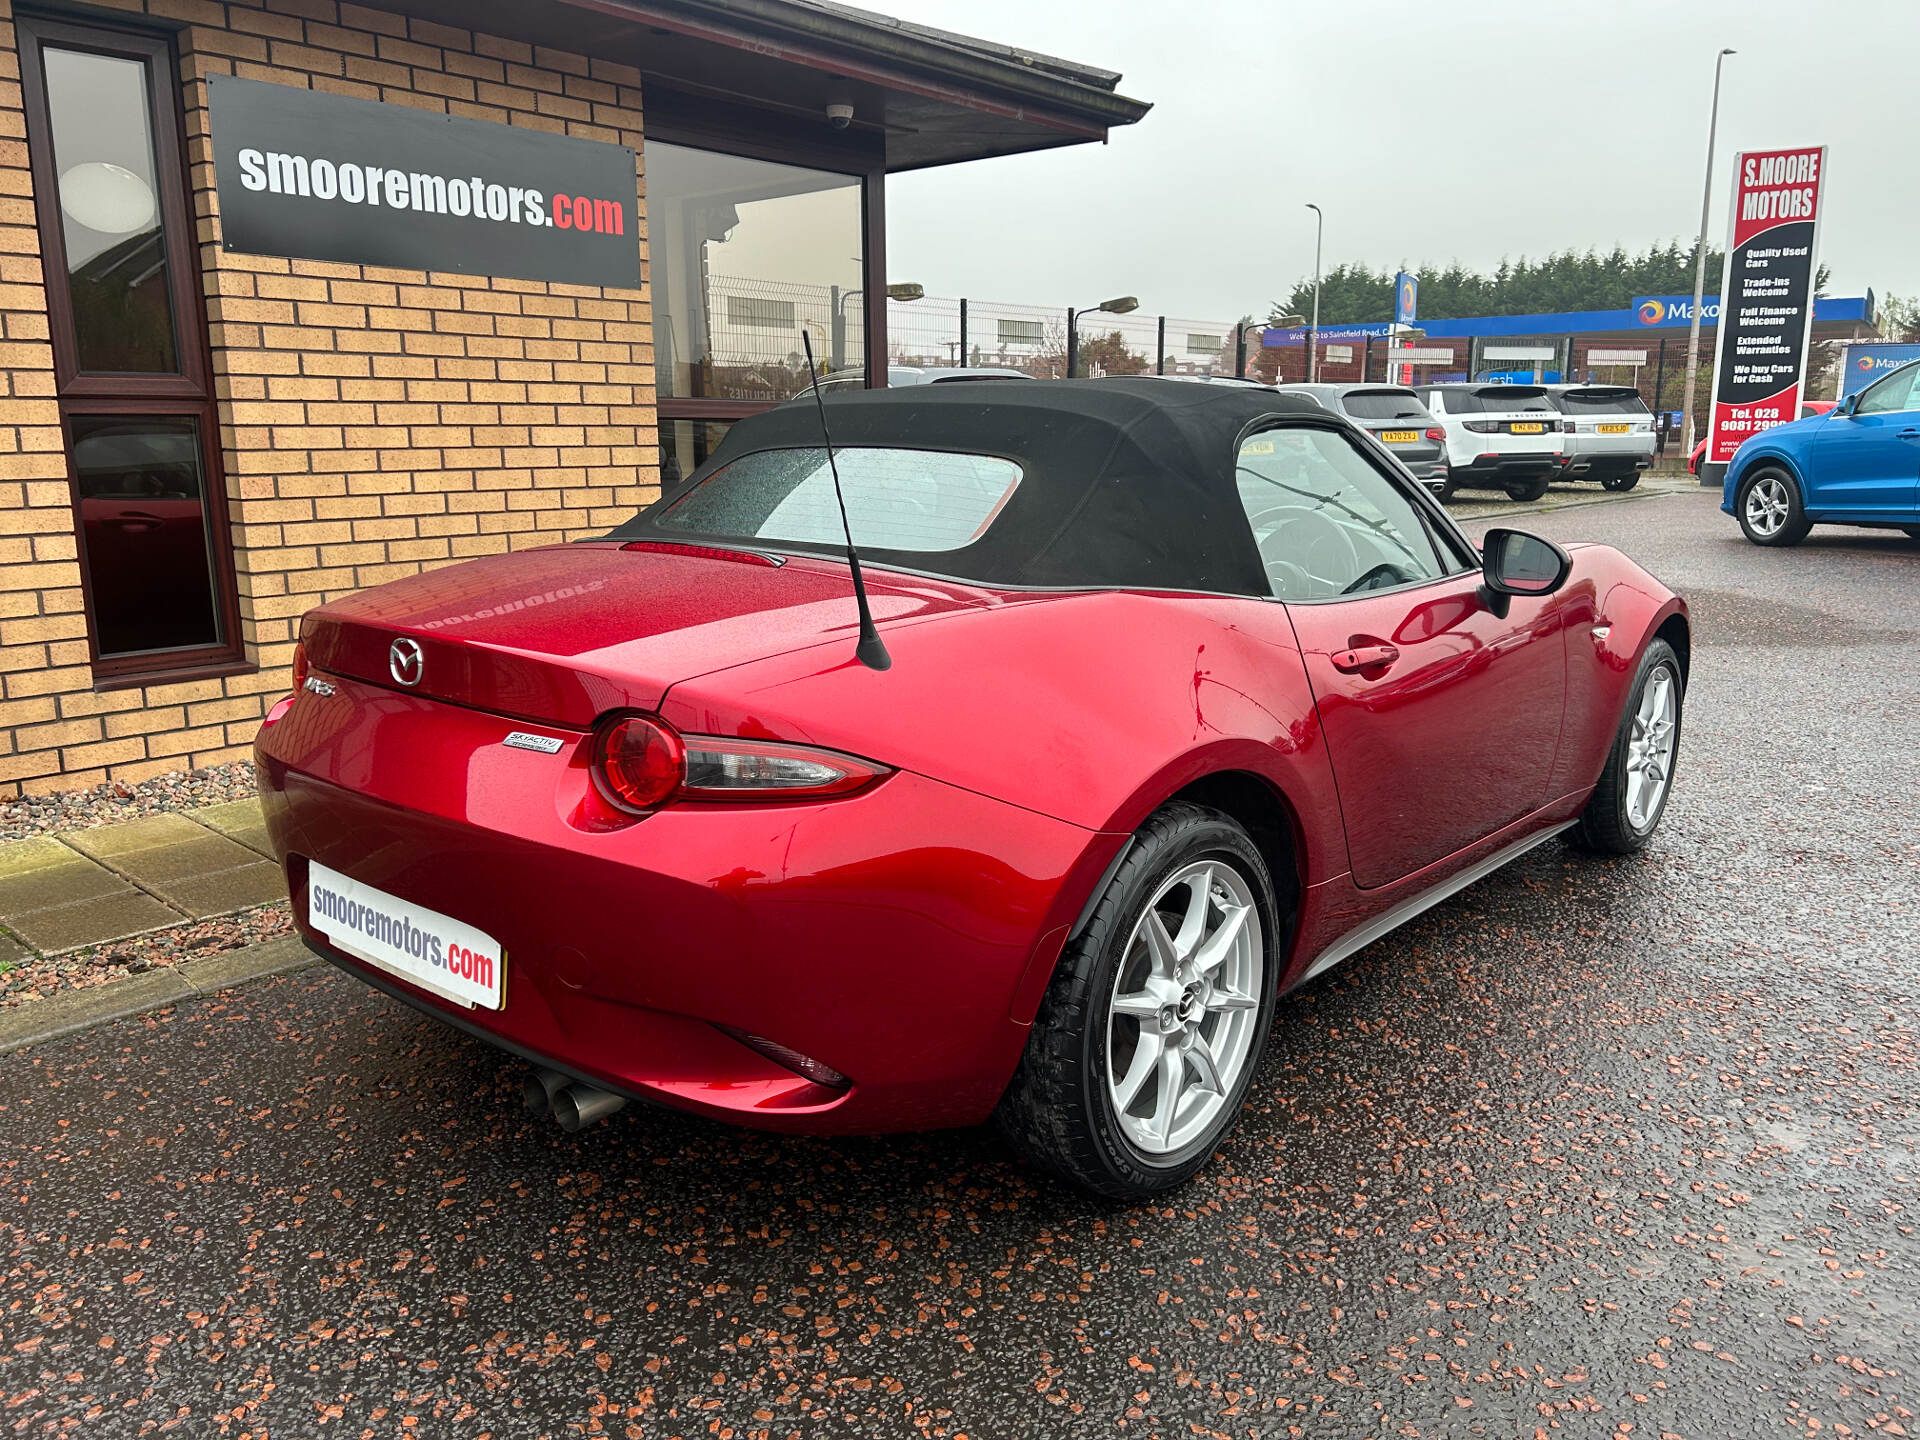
(1612, 439)
(1394, 416)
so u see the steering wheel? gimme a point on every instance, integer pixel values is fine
(1320, 548)
(1378, 578)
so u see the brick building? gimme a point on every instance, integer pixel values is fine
(202, 436)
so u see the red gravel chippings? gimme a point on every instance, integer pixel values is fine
(112, 802)
(37, 977)
(1596, 1148)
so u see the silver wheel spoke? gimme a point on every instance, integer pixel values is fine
(1160, 948)
(1194, 923)
(1201, 1057)
(1219, 944)
(1173, 1077)
(1143, 1004)
(1232, 1000)
(1146, 1056)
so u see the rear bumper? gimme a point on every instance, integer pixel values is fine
(1595, 456)
(893, 935)
(1497, 470)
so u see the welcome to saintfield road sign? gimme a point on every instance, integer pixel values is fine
(328, 177)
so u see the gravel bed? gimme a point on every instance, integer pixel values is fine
(34, 978)
(111, 802)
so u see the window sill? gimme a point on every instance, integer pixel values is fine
(178, 675)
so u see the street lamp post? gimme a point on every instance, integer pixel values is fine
(1119, 305)
(1240, 339)
(1700, 269)
(905, 290)
(1313, 331)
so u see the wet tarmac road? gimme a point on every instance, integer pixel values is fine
(1592, 1149)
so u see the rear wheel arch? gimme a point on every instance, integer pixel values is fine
(1264, 812)
(1677, 633)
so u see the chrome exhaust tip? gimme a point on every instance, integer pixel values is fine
(579, 1106)
(541, 1088)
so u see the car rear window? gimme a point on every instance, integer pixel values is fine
(1498, 400)
(1602, 402)
(1383, 405)
(912, 500)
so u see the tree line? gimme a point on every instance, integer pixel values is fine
(1356, 294)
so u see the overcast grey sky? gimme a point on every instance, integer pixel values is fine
(1447, 129)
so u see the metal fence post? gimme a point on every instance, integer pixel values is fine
(1073, 344)
(962, 358)
(1160, 350)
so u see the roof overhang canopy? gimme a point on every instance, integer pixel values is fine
(928, 96)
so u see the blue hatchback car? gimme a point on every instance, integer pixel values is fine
(1858, 464)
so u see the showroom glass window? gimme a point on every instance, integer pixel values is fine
(744, 254)
(129, 348)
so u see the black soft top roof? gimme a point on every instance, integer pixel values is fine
(1128, 482)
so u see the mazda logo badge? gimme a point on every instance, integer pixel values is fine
(405, 661)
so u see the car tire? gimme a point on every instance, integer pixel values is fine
(1528, 489)
(1769, 509)
(1062, 1111)
(1449, 487)
(1912, 532)
(1621, 483)
(1623, 812)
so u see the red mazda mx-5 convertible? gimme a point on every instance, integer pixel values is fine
(1178, 695)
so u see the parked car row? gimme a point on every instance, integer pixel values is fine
(1486, 436)
(1516, 438)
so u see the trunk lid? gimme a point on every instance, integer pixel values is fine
(564, 634)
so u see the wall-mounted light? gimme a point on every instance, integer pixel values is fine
(106, 197)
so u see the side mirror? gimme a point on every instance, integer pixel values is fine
(1513, 562)
(1849, 405)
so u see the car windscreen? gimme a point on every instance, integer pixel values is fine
(1498, 400)
(904, 500)
(1602, 402)
(1383, 405)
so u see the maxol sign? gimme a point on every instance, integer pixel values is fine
(1861, 365)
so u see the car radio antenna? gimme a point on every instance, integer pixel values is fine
(871, 651)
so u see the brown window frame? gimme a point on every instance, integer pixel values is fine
(187, 395)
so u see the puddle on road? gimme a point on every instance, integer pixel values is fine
(1737, 618)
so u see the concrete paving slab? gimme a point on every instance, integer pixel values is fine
(89, 922)
(256, 962)
(224, 891)
(50, 885)
(203, 853)
(107, 842)
(239, 820)
(12, 952)
(19, 856)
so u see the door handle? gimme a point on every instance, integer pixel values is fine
(1910, 434)
(1365, 657)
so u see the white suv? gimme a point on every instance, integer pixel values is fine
(1499, 437)
(1612, 439)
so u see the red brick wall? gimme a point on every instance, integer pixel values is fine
(373, 422)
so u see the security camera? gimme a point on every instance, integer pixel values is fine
(840, 116)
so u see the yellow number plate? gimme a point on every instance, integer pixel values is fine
(1612, 429)
(1399, 437)
(1520, 428)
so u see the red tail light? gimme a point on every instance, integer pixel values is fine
(640, 764)
(300, 666)
(1434, 432)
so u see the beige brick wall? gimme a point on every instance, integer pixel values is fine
(373, 422)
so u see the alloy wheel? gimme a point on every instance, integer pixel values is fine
(1767, 505)
(1650, 748)
(1186, 1000)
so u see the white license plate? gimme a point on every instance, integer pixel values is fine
(434, 951)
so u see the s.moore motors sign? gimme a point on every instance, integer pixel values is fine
(306, 174)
